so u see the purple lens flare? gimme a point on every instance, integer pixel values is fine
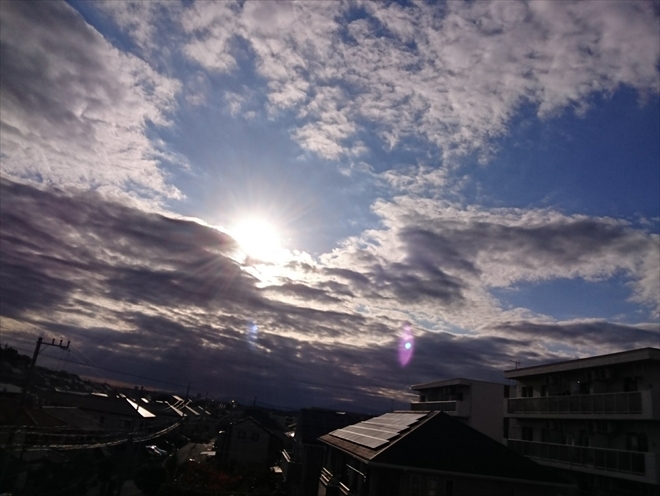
(406, 345)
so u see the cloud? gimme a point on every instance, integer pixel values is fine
(166, 298)
(441, 257)
(77, 111)
(585, 334)
(454, 75)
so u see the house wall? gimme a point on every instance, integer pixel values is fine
(479, 405)
(487, 413)
(393, 482)
(424, 484)
(248, 444)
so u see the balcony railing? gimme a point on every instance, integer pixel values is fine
(442, 406)
(454, 408)
(590, 404)
(291, 469)
(630, 462)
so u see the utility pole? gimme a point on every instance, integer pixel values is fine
(24, 394)
(30, 372)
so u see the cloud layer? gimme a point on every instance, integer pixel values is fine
(75, 109)
(454, 76)
(167, 297)
(370, 100)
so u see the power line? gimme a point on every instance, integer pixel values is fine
(113, 370)
(298, 381)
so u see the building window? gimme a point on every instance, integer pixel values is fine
(414, 485)
(527, 433)
(637, 442)
(255, 436)
(449, 488)
(432, 486)
(630, 384)
(241, 435)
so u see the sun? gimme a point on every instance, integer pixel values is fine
(258, 239)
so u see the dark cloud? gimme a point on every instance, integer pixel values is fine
(590, 333)
(303, 291)
(164, 299)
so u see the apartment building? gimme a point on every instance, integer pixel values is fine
(477, 404)
(595, 419)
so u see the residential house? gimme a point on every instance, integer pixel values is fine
(248, 442)
(477, 404)
(111, 412)
(596, 419)
(428, 453)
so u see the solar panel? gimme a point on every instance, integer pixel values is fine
(378, 431)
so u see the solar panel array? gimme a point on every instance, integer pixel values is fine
(378, 431)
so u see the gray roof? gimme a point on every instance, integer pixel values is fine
(433, 441)
(378, 431)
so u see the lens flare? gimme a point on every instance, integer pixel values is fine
(251, 334)
(406, 345)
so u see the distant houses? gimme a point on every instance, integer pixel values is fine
(589, 426)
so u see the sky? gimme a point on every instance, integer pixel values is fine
(323, 203)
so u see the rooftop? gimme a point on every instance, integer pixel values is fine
(638, 355)
(433, 441)
(460, 381)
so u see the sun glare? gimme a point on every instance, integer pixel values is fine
(258, 239)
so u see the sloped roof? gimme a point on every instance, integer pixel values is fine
(315, 422)
(435, 441)
(72, 417)
(84, 401)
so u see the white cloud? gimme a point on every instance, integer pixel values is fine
(212, 25)
(454, 75)
(75, 110)
(443, 260)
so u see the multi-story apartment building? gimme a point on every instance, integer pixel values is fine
(595, 419)
(477, 404)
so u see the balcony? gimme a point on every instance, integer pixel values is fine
(328, 484)
(453, 408)
(630, 464)
(291, 470)
(636, 403)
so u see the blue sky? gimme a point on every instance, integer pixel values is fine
(486, 172)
